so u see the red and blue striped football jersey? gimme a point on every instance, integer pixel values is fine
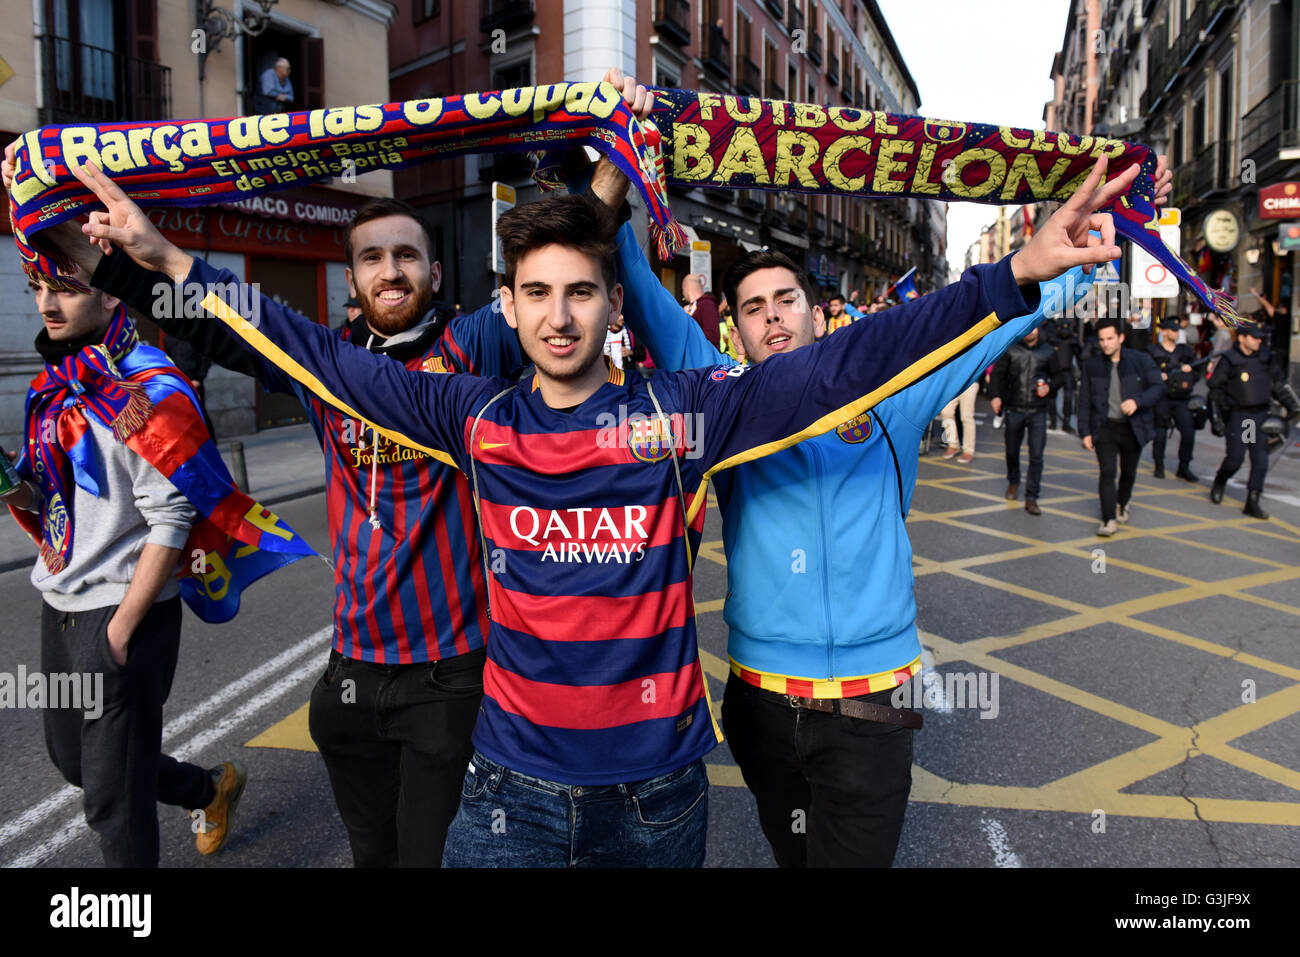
(593, 672)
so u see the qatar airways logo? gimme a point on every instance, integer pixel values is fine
(570, 534)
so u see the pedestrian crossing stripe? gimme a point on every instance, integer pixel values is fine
(1102, 784)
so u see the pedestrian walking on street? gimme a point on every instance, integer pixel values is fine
(1020, 385)
(1118, 393)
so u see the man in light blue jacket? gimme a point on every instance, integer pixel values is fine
(820, 602)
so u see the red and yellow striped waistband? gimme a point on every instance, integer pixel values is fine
(839, 688)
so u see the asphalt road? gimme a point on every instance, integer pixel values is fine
(1147, 714)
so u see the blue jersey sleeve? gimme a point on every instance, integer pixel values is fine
(674, 339)
(425, 411)
(482, 343)
(920, 403)
(746, 413)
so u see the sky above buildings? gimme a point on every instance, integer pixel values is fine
(979, 62)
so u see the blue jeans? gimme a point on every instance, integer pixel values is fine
(508, 819)
(1017, 423)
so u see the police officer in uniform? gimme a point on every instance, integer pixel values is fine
(1175, 363)
(1240, 387)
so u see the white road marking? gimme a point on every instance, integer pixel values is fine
(75, 827)
(996, 835)
(53, 803)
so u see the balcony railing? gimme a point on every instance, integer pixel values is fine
(833, 69)
(776, 8)
(504, 14)
(673, 20)
(1201, 176)
(750, 200)
(774, 92)
(794, 16)
(1273, 125)
(750, 82)
(818, 225)
(815, 48)
(82, 83)
(718, 58)
(797, 217)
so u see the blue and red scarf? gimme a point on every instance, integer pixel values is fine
(693, 139)
(135, 390)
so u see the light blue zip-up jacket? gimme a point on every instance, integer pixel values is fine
(819, 566)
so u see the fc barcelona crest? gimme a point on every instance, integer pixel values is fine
(857, 430)
(649, 440)
(944, 131)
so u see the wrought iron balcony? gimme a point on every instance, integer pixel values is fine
(83, 83)
(718, 58)
(794, 16)
(815, 48)
(833, 69)
(673, 20)
(749, 200)
(750, 82)
(1273, 125)
(774, 91)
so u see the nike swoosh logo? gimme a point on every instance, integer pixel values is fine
(485, 444)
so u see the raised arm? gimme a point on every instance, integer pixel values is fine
(422, 410)
(749, 413)
(674, 339)
(920, 403)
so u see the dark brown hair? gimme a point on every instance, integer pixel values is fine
(1109, 322)
(378, 209)
(574, 222)
(761, 259)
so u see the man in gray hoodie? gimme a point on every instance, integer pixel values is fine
(111, 613)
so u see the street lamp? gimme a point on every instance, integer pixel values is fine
(217, 23)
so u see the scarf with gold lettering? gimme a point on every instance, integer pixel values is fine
(693, 139)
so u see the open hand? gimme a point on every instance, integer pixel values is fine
(124, 224)
(1065, 241)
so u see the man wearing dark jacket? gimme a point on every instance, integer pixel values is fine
(1063, 336)
(1021, 382)
(1243, 381)
(1174, 360)
(1118, 393)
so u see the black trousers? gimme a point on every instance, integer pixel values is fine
(1236, 448)
(116, 758)
(1175, 409)
(1116, 442)
(396, 743)
(831, 790)
(1017, 423)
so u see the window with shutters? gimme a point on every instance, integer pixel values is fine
(99, 62)
(303, 88)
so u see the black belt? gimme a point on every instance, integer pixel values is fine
(852, 708)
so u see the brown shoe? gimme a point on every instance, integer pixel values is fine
(965, 458)
(1031, 506)
(1013, 490)
(218, 816)
(951, 451)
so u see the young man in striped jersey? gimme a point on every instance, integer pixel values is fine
(820, 605)
(393, 712)
(594, 720)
